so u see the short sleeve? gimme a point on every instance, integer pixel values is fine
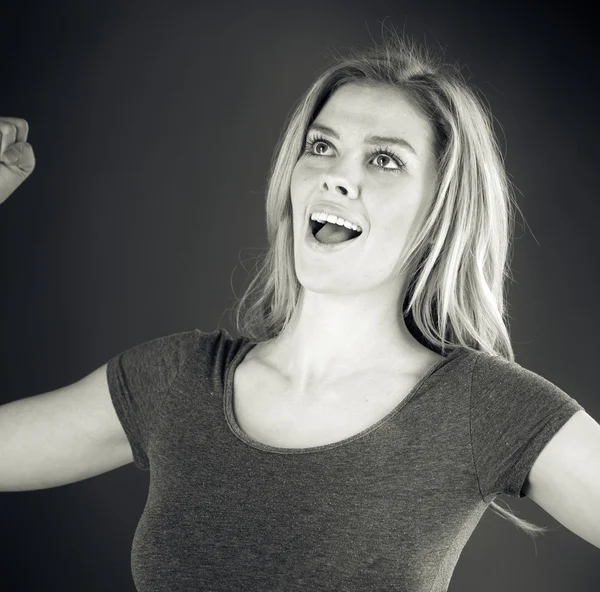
(139, 379)
(514, 414)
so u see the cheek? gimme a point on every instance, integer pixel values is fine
(299, 193)
(296, 181)
(394, 229)
(394, 212)
(300, 175)
(302, 184)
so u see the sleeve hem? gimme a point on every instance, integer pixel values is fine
(140, 443)
(140, 458)
(540, 440)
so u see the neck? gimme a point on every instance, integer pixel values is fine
(332, 335)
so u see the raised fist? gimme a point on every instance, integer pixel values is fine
(17, 160)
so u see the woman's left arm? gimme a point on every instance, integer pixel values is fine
(565, 478)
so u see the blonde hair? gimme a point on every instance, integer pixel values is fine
(458, 260)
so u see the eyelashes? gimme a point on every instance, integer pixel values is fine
(387, 152)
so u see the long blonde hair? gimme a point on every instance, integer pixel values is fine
(458, 261)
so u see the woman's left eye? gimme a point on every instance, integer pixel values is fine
(381, 157)
(387, 159)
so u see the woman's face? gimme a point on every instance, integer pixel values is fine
(369, 155)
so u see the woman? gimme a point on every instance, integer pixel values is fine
(372, 410)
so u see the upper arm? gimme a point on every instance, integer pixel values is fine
(565, 478)
(61, 436)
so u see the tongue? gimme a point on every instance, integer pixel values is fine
(333, 233)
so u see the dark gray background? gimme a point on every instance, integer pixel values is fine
(154, 125)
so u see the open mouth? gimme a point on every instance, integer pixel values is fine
(328, 233)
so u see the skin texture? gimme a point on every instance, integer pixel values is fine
(348, 311)
(565, 478)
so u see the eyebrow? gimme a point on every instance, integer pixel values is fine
(370, 139)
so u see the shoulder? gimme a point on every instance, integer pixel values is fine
(496, 372)
(504, 388)
(174, 348)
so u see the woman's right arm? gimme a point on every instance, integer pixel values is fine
(62, 436)
(68, 434)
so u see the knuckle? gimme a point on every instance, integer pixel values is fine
(14, 120)
(7, 128)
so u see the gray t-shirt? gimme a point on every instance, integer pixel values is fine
(388, 509)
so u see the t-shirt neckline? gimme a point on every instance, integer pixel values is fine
(244, 437)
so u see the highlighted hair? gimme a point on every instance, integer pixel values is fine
(458, 260)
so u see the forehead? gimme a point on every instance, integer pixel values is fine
(380, 110)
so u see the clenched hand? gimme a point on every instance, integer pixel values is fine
(17, 160)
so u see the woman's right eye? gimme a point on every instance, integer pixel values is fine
(316, 147)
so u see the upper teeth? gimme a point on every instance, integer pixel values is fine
(324, 217)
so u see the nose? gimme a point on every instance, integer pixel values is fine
(339, 184)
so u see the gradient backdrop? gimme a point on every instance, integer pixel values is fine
(154, 125)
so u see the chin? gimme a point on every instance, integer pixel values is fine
(324, 282)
